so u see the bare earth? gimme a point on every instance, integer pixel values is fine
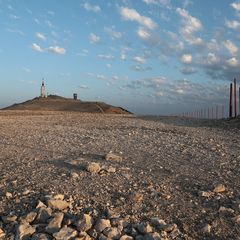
(169, 170)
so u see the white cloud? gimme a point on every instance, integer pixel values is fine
(191, 25)
(108, 65)
(115, 78)
(106, 56)
(231, 47)
(112, 33)
(41, 36)
(233, 24)
(186, 58)
(139, 59)
(142, 33)
(16, 31)
(212, 59)
(94, 38)
(232, 62)
(57, 50)
(37, 47)
(236, 6)
(27, 70)
(132, 15)
(91, 8)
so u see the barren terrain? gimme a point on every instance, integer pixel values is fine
(183, 172)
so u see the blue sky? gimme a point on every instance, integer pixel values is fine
(149, 56)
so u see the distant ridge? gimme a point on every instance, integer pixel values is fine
(58, 103)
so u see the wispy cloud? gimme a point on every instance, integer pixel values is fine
(57, 50)
(91, 8)
(41, 36)
(129, 14)
(106, 56)
(93, 38)
(37, 48)
(16, 31)
(139, 59)
(113, 33)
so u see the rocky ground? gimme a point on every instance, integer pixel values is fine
(95, 176)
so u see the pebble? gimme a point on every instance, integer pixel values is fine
(65, 233)
(55, 224)
(144, 228)
(93, 167)
(126, 237)
(24, 231)
(41, 236)
(112, 233)
(2, 233)
(9, 195)
(219, 188)
(30, 217)
(58, 204)
(113, 157)
(85, 223)
(206, 229)
(102, 224)
(43, 214)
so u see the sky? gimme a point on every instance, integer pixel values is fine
(149, 56)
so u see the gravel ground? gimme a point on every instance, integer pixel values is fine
(182, 171)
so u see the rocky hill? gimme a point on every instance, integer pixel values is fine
(58, 103)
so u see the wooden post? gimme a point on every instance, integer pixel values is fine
(235, 98)
(230, 102)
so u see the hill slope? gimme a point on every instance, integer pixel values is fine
(57, 103)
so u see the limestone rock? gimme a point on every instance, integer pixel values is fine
(85, 223)
(65, 233)
(93, 167)
(126, 237)
(30, 217)
(55, 224)
(113, 157)
(24, 231)
(43, 214)
(144, 228)
(112, 233)
(58, 204)
(219, 188)
(102, 224)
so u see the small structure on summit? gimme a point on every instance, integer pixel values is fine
(43, 90)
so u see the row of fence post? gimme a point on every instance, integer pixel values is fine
(233, 99)
(216, 112)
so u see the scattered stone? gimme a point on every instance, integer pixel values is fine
(85, 223)
(206, 229)
(206, 194)
(219, 188)
(136, 197)
(24, 231)
(113, 157)
(158, 223)
(152, 236)
(169, 227)
(126, 237)
(30, 217)
(93, 167)
(9, 195)
(65, 233)
(236, 219)
(111, 169)
(74, 175)
(58, 197)
(40, 205)
(102, 224)
(55, 224)
(175, 233)
(83, 236)
(2, 233)
(111, 233)
(93, 233)
(9, 218)
(41, 236)
(58, 204)
(43, 215)
(144, 228)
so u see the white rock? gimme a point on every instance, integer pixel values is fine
(25, 231)
(93, 167)
(65, 233)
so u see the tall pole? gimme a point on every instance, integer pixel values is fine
(235, 98)
(217, 112)
(230, 102)
(239, 101)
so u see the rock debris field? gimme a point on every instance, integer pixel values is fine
(95, 176)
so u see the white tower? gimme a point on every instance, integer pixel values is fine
(43, 90)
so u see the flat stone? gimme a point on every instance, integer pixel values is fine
(30, 217)
(93, 167)
(55, 224)
(144, 228)
(126, 237)
(25, 231)
(65, 233)
(9, 218)
(83, 236)
(219, 188)
(58, 204)
(206, 194)
(59, 197)
(113, 157)
(8, 195)
(102, 224)
(85, 223)
(40, 204)
(169, 227)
